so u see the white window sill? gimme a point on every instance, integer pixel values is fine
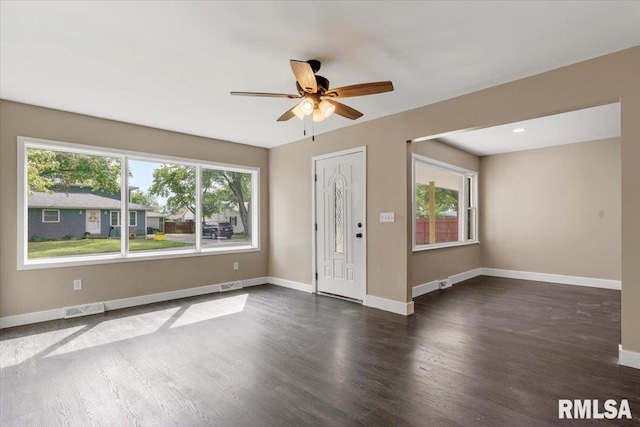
(444, 245)
(81, 260)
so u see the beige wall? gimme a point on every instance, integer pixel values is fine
(601, 80)
(36, 290)
(435, 264)
(553, 210)
(291, 220)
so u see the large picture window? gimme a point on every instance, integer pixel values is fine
(444, 204)
(72, 205)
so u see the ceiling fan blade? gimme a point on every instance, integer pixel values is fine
(286, 116)
(304, 75)
(345, 111)
(267, 95)
(360, 90)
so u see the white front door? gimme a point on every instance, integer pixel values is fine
(93, 221)
(340, 217)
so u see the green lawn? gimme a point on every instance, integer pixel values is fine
(94, 246)
(240, 236)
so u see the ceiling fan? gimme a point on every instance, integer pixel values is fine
(317, 97)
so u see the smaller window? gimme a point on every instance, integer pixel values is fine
(115, 218)
(50, 215)
(445, 204)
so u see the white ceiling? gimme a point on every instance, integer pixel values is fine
(589, 124)
(171, 65)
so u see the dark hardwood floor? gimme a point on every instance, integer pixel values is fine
(496, 352)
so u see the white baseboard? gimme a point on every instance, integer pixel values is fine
(461, 277)
(159, 297)
(628, 358)
(28, 318)
(58, 313)
(255, 282)
(397, 307)
(554, 278)
(416, 291)
(298, 286)
(425, 288)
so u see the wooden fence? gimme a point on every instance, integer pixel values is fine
(446, 230)
(188, 227)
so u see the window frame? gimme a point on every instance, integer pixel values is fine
(24, 263)
(119, 218)
(468, 178)
(50, 210)
(118, 222)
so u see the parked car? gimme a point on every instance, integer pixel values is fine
(210, 229)
(225, 229)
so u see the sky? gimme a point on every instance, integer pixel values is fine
(142, 176)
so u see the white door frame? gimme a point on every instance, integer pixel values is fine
(314, 267)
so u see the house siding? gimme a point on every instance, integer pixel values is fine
(105, 224)
(73, 222)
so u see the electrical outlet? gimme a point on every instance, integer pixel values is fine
(387, 217)
(236, 265)
(77, 284)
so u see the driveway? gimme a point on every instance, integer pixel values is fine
(206, 242)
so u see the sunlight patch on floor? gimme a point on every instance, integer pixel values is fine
(16, 350)
(124, 328)
(211, 309)
(118, 329)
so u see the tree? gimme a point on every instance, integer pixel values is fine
(233, 190)
(46, 169)
(177, 184)
(221, 190)
(446, 200)
(145, 199)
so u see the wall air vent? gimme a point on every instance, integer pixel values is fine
(83, 310)
(231, 286)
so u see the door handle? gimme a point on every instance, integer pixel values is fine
(359, 235)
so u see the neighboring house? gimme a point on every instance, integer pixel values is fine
(230, 215)
(76, 210)
(155, 220)
(182, 216)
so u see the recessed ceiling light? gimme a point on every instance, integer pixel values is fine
(519, 130)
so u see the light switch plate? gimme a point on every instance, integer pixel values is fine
(387, 217)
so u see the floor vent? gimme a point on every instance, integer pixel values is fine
(231, 286)
(83, 310)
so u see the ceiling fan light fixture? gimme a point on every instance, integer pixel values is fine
(318, 115)
(298, 112)
(307, 105)
(327, 108)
